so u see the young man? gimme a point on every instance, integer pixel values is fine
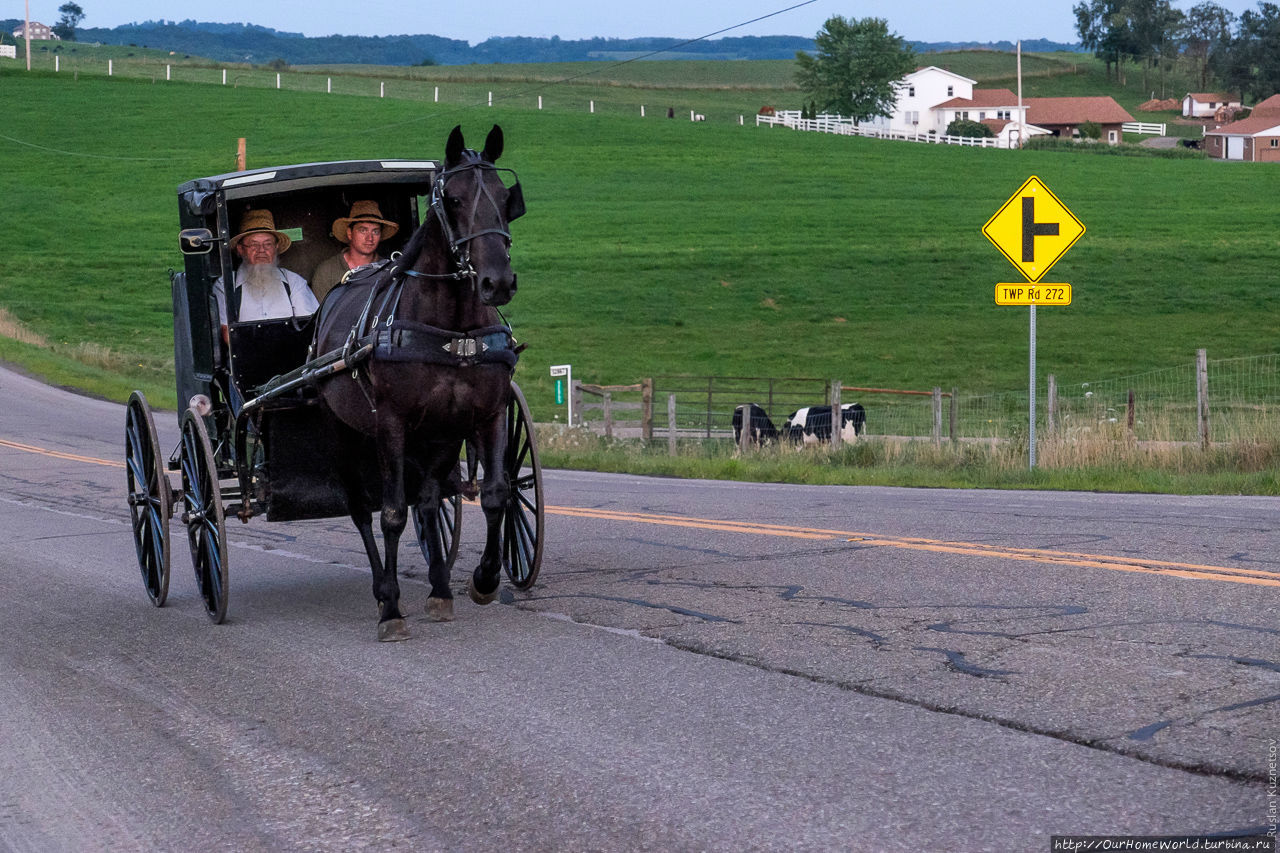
(362, 231)
(261, 289)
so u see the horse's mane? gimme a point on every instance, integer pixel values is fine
(412, 249)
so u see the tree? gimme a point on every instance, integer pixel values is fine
(1102, 28)
(856, 66)
(1155, 26)
(1250, 62)
(72, 15)
(1206, 30)
(970, 128)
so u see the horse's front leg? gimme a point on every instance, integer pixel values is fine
(440, 602)
(395, 513)
(495, 490)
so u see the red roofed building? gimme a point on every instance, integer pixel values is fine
(1063, 116)
(1205, 104)
(1255, 139)
(1268, 107)
(984, 104)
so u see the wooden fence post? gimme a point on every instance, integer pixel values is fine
(575, 397)
(608, 415)
(837, 416)
(1130, 413)
(646, 411)
(937, 416)
(1202, 397)
(744, 435)
(955, 415)
(1051, 411)
(671, 424)
(240, 155)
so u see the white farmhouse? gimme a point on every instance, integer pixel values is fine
(930, 98)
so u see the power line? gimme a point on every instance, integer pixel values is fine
(431, 115)
(434, 114)
(84, 154)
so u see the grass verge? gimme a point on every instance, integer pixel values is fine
(1237, 468)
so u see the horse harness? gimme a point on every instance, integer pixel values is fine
(405, 341)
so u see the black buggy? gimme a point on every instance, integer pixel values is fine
(253, 437)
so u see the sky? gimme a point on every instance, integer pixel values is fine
(914, 20)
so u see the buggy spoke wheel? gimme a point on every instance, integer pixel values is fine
(450, 517)
(206, 524)
(149, 497)
(522, 522)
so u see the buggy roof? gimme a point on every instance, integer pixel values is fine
(281, 179)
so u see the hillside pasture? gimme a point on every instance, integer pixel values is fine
(655, 247)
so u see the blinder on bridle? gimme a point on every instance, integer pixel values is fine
(513, 208)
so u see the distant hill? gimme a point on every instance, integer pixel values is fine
(254, 44)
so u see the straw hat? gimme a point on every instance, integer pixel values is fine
(261, 222)
(363, 211)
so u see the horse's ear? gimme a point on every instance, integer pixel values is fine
(453, 148)
(493, 145)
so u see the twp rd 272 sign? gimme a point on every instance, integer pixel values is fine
(1033, 230)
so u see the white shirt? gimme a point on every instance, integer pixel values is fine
(269, 302)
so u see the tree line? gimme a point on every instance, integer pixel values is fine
(241, 42)
(1240, 54)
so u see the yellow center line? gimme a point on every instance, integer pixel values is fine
(1192, 571)
(57, 454)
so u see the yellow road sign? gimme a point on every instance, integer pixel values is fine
(1033, 229)
(1027, 293)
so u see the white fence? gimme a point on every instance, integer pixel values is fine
(1144, 127)
(846, 127)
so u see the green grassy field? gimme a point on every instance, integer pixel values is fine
(652, 247)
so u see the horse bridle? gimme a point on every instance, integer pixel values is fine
(460, 246)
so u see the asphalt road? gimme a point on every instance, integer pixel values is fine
(702, 666)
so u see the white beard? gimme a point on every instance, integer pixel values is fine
(259, 277)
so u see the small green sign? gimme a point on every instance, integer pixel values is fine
(559, 392)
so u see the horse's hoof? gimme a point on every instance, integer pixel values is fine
(440, 609)
(392, 631)
(481, 597)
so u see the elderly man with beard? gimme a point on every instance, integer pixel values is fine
(262, 290)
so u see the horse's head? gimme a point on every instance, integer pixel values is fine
(476, 208)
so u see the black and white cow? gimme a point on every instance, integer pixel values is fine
(762, 429)
(813, 424)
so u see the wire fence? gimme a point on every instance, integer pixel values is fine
(1241, 402)
(431, 84)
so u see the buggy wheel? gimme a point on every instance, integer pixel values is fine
(522, 523)
(206, 525)
(450, 517)
(150, 497)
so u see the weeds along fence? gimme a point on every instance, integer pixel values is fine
(1200, 402)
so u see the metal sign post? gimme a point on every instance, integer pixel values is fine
(1033, 230)
(1031, 398)
(565, 370)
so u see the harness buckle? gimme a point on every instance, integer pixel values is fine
(462, 347)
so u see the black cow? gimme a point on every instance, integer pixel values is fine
(762, 429)
(813, 424)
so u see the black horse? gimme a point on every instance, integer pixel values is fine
(439, 374)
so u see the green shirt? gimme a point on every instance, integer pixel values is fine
(330, 272)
